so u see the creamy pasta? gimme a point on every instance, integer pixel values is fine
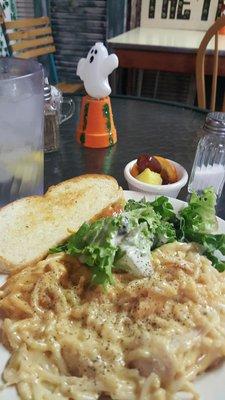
(141, 339)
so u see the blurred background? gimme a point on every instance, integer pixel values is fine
(77, 24)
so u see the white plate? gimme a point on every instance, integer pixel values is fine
(210, 386)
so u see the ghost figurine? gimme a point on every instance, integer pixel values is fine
(95, 69)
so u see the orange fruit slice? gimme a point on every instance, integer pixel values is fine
(170, 171)
(134, 170)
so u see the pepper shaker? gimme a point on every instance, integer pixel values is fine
(209, 164)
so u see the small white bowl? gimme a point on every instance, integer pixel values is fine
(171, 190)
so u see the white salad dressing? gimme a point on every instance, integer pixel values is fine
(137, 252)
(136, 261)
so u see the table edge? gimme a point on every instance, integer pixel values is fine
(146, 47)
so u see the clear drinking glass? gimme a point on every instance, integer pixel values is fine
(21, 129)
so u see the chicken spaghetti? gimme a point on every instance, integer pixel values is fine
(141, 339)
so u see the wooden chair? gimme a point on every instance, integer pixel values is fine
(200, 66)
(32, 37)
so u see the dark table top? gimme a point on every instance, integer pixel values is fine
(143, 125)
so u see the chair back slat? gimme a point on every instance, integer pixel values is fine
(26, 23)
(215, 73)
(32, 33)
(200, 64)
(200, 78)
(30, 37)
(28, 44)
(37, 52)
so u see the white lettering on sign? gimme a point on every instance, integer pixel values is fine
(180, 14)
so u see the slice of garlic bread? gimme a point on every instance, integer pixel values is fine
(32, 225)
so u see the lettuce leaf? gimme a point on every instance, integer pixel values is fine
(164, 231)
(198, 223)
(213, 248)
(94, 246)
(200, 215)
(164, 208)
(104, 245)
(120, 241)
(160, 205)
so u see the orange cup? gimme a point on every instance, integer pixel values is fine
(96, 127)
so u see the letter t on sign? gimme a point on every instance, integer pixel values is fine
(183, 14)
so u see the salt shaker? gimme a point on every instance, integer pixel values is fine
(209, 164)
(51, 121)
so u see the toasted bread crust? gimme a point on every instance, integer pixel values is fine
(52, 188)
(30, 226)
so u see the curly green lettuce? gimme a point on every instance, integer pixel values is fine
(126, 240)
(200, 216)
(122, 241)
(198, 223)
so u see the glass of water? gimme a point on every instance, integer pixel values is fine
(21, 129)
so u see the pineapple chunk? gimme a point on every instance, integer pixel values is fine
(150, 177)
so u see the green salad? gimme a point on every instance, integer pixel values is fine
(125, 241)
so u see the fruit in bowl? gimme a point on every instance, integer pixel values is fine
(155, 175)
(150, 177)
(154, 170)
